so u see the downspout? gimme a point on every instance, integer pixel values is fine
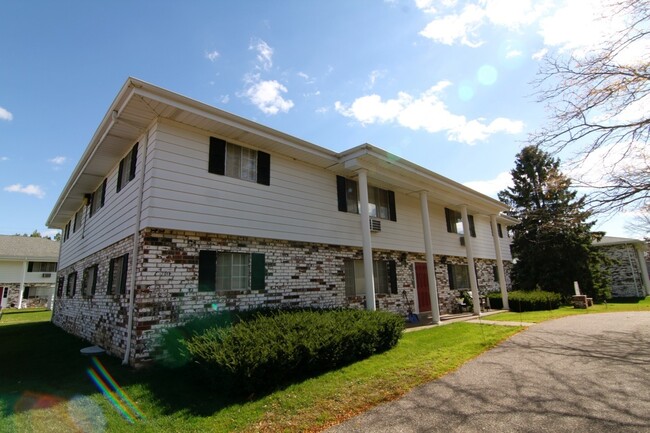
(134, 253)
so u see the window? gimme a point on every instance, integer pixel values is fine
(384, 272)
(499, 230)
(89, 281)
(71, 288)
(231, 271)
(126, 173)
(455, 222)
(97, 199)
(78, 217)
(117, 275)
(66, 231)
(232, 160)
(381, 202)
(458, 277)
(41, 267)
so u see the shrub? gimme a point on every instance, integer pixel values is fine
(496, 302)
(533, 300)
(271, 349)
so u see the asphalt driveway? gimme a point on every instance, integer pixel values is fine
(588, 373)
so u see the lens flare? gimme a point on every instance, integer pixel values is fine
(113, 393)
(487, 75)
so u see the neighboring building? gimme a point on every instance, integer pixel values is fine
(629, 273)
(202, 210)
(27, 271)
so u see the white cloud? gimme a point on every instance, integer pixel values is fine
(454, 28)
(264, 53)
(34, 190)
(374, 76)
(539, 55)
(513, 53)
(224, 99)
(267, 96)
(4, 158)
(5, 114)
(212, 55)
(57, 160)
(427, 112)
(491, 187)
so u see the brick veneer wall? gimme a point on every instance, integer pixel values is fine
(625, 273)
(297, 275)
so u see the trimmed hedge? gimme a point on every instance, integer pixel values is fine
(534, 300)
(276, 348)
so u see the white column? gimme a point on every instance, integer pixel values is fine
(367, 243)
(22, 285)
(497, 250)
(644, 271)
(470, 262)
(428, 251)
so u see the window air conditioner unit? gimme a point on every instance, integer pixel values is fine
(375, 225)
(46, 275)
(462, 240)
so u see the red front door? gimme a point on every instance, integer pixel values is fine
(422, 284)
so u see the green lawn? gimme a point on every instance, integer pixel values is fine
(540, 316)
(45, 387)
(12, 316)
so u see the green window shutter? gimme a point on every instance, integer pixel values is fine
(341, 194)
(207, 270)
(125, 268)
(94, 282)
(258, 271)
(111, 265)
(217, 157)
(392, 276)
(119, 176)
(263, 168)
(134, 161)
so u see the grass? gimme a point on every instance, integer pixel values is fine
(541, 316)
(44, 385)
(12, 316)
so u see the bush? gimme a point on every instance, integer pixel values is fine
(533, 300)
(496, 302)
(271, 349)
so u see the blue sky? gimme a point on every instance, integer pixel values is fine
(445, 84)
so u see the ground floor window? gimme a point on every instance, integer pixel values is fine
(458, 277)
(89, 281)
(117, 275)
(224, 271)
(384, 273)
(71, 287)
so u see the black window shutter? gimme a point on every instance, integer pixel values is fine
(450, 271)
(341, 194)
(500, 230)
(258, 271)
(134, 161)
(74, 283)
(263, 168)
(217, 158)
(119, 176)
(125, 269)
(472, 228)
(94, 282)
(30, 267)
(207, 270)
(90, 204)
(392, 275)
(111, 266)
(103, 193)
(391, 205)
(449, 216)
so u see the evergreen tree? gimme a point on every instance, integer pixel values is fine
(553, 241)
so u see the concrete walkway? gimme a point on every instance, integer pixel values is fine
(587, 373)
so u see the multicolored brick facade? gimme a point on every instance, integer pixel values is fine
(296, 275)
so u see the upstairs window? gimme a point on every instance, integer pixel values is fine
(384, 273)
(66, 231)
(499, 230)
(97, 199)
(455, 222)
(78, 219)
(117, 271)
(41, 267)
(126, 172)
(381, 202)
(225, 271)
(232, 160)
